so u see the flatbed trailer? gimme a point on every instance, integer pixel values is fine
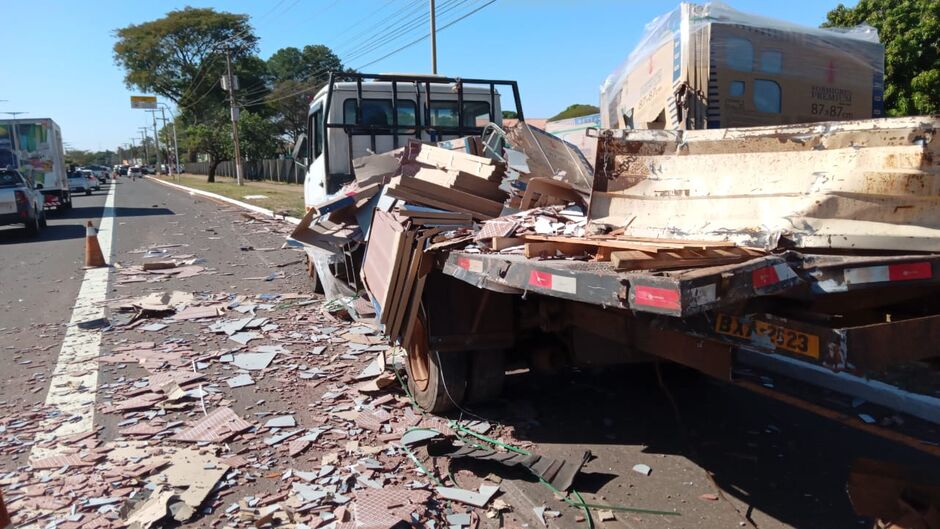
(824, 328)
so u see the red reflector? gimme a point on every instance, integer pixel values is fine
(540, 279)
(662, 298)
(763, 277)
(463, 262)
(907, 271)
(20, 197)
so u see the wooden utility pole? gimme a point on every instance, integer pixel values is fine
(433, 40)
(230, 85)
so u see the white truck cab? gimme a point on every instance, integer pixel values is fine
(358, 114)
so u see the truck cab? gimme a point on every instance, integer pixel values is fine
(358, 114)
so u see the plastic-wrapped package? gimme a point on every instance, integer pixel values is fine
(710, 66)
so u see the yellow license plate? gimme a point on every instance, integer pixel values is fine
(762, 332)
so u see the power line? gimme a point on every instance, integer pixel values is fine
(393, 52)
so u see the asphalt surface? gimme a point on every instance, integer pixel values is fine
(770, 465)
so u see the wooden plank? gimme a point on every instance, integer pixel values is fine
(465, 182)
(391, 309)
(611, 243)
(382, 255)
(501, 243)
(630, 259)
(479, 166)
(407, 292)
(552, 249)
(543, 186)
(452, 196)
(409, 195)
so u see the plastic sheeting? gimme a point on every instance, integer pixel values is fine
(709, 66)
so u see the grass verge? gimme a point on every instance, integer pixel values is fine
(279, 197)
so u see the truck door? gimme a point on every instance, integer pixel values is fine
(315, 180)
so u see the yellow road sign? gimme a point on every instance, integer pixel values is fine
(143, 101)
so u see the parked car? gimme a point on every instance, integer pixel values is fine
(92, 179)
(21, 202)
(79, 183)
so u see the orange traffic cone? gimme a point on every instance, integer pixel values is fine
(93, 256)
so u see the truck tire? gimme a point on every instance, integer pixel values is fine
(437, 380)
(32, 226)
(487, 375)
(67, 202)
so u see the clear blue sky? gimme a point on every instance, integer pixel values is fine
(58, 60)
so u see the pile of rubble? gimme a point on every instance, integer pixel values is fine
(259, 410)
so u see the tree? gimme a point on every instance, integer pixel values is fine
(258, 136)
(510, 114)
(575, 111)
(311, 65)
(181, 56)
(910, 31)
(213, 139)
(297, 75)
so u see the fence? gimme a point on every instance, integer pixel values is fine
(287, 171)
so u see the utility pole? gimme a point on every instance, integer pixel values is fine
(433, 40)
(134, 149)
(176, 146)
(143, 141)
(234, 109)
(156, 139)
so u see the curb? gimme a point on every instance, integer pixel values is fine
(227, 200)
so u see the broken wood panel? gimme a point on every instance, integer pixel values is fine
(501, 243)
(467, 183)
(382, 255)
(452, 196)
(409, 195)
(479, 166)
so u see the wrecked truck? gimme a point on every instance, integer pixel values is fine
(798, 261)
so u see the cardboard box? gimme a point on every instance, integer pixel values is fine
(709, 66)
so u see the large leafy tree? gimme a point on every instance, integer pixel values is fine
(182, 55)
(575, 111)
(910, 31)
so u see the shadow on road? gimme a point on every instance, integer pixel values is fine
(783, 461)
(53, 232)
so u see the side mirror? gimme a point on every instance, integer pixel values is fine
(300, 147)
(38, 186)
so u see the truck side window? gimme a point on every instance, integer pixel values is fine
(444, 113)
(476, 113)
(736, 89)
(739, 54)
(767, 96)
(317, 128)
(771, 61)
(379, 112)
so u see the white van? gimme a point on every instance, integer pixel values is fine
(359, 114)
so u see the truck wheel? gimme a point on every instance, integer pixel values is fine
(87, 192)
(487, 374)
(437, 380)
(66, 202)
(32, 226)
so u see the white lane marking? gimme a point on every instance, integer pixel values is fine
(75, 378)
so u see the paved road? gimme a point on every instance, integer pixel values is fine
(777, 466)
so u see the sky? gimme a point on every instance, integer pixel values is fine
(59, 62)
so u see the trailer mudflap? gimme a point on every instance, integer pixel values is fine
(679, 293)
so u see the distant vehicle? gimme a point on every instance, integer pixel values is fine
(122, 170)
(101, 172)
(78, 183)
(21, 202)
(36, 152)
(135, 171)
(92, 179)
